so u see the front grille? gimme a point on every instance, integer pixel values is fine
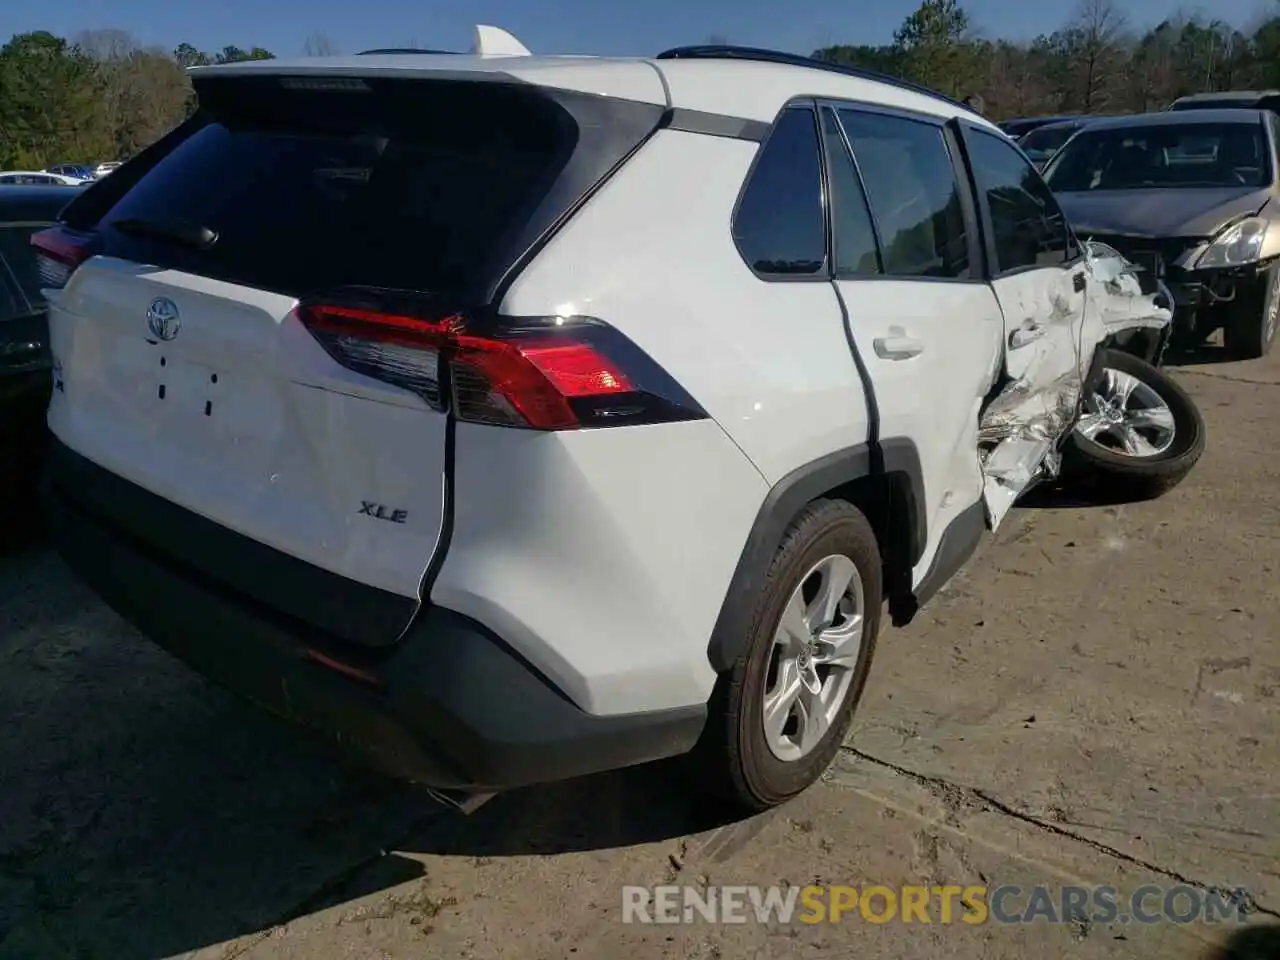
(1154, 255)
(1148, 251)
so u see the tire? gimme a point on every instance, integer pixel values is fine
(22, 451)
(1136, 476)
(1249, 328)
(734, 760)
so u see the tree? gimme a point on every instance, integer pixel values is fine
(319, 45)
(1266, 52)
(110, 52)
(49, 105)
(932, 46)
(233, 54)
(155, 99)
(889, 60)
(188, 56)
(1093, 43)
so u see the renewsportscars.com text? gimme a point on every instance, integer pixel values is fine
(1005, 904)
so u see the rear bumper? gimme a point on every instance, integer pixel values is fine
(450, 706)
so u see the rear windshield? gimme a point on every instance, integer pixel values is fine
(311, 185)
(1164, 156)
(1041, 143)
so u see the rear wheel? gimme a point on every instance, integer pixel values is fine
(1250, 324)
(1140, 434)
(779, 715)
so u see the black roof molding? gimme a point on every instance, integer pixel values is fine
(396, 50)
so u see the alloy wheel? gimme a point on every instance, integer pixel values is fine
(815, 652)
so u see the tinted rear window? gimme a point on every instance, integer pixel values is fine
(406, 184)
(1040, 143)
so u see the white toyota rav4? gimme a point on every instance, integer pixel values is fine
(512, 418)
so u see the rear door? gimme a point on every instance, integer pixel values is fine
(184, 365)
(1040, 277)
(925, 323)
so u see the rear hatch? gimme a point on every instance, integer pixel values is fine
(188, 360)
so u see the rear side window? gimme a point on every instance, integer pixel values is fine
(915, 197)
(780, 227)
(853, 236)
(312, 185)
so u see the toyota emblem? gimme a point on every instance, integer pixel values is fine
(162, 319)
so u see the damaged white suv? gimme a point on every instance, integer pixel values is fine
(513, 418)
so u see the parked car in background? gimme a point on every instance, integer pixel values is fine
(1043, 142)
(39, 178)
(1248, 99)
(1193, 198)
(24, 346)
(77, 171)
(1020, 126)
(102, 169)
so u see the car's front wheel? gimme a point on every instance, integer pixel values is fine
(1249, 328)
(781, 712)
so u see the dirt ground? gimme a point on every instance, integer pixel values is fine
(1094, 700)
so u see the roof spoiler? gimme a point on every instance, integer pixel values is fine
(496, 42)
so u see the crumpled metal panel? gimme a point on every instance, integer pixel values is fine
(1022, 428)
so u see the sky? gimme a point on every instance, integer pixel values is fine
(552, 26)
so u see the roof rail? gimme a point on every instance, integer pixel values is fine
(487, 42)
(385, 50)
(729, 52)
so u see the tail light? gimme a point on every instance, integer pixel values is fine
(542, 373)
(58, 253)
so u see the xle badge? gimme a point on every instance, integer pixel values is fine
(381, 512)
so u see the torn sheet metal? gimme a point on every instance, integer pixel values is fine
(1047, 359)
(1020, 431)
(1116, 293)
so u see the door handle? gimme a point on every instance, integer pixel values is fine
(1027, 333)
(897, 347)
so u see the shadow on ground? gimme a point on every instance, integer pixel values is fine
(1072, 495)
(1251, 943)
(148, 814)
(1201, 355)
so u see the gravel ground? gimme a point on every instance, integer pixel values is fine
(1094, 700)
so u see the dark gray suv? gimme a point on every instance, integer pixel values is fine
(25, 379)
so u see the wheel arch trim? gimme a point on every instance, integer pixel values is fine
(784, 502)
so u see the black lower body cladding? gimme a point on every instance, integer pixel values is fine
(452, 706)
(320, 600)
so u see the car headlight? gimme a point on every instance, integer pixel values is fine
(1239, 244)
